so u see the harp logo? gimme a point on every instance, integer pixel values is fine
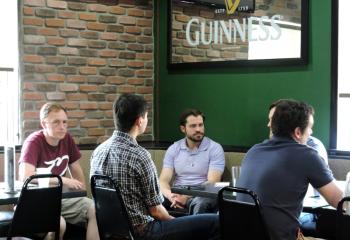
(231, 6)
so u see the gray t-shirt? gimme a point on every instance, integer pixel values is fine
(279, 171)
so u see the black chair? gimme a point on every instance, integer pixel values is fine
(343, 221)
(240, 220)
(112, 218)
(38, 210)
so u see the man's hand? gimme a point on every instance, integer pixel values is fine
(178, 201)
(72, 183)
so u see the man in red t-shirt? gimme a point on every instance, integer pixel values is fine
(54, 148)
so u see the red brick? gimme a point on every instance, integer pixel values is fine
(54, 23)
(35, 3)
(115, 80)
(77, 24)
(97, 8)
(144, 23)
(108, 53)
(33, 59)
(48, 31)
(67, 15)
(96, 62)
(127, 20)
(117, 10)
(33, 21)
(28, 86)
(109, 114)
(108, 36)
(56, 41)
(55, 77)
(136, 13)
(68, 51)
(68, 87)
(28, 11)
(126, 89)
(144, 90)
(76, 78)
(31, 115)
(96, 131)
(55, 96)
(76, 42)
(33, 96)
(148, 14)
(133, 30)
(88, 105)
(72, 122)
(144, 56)
(88, 88)
(136, 81)
(70, 105)
(127, 38)
(136, 64)
(105, 106)
(76, 114)
(87, 16)
(96, 26)
(144, 73)
(57, 4)
(77, 96)
(44, 68)
(88, 70)
(88, 123)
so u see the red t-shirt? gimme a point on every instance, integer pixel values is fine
(38, 152)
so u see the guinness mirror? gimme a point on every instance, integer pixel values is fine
(204, 33)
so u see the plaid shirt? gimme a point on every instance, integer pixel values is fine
(134, 171)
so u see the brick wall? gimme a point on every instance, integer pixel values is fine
(183, 52)
(83, 54)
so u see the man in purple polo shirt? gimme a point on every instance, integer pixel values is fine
(193, 160)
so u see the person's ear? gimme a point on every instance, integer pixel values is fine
(183, 129)
(138, 121)
(43, 124)
(297, 134)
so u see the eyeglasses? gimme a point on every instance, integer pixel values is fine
(56, 123)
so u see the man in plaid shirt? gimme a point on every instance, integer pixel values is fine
(131, 165)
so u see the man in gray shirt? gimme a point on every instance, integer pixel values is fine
(280, 169)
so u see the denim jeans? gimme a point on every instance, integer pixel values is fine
(201, 226)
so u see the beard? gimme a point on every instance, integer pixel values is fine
(197, 137)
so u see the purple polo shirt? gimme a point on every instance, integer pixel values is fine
(192, 166)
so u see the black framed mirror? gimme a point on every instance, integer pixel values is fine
(219, 33)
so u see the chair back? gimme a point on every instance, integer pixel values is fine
(38, 210)
(111, 215)
(240, 220)
(343, 221)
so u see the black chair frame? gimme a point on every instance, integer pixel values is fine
(240, 220)
(343, 221)
(38, 210)
(112, 217)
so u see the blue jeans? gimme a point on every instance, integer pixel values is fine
(201, 226)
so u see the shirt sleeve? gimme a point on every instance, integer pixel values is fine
(74, 152)
(149, 179)
(319, 173)
(169, 157)
(217, 157)
(30, 153)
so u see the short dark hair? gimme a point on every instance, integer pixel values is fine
(288, 115)
(189, 112)
(127, 108)
(275, 103)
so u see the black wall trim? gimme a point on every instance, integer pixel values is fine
(334, 75)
